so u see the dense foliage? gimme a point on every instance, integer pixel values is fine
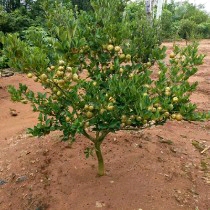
(18, 16)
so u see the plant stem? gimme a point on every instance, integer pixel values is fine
(88, 136)
(100, 158)
(99, 137)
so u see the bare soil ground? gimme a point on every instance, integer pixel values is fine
(160, 168)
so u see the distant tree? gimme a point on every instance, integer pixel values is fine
(10, 5)
(82, 4)
(15, 21)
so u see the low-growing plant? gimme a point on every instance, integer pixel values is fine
(99, 84)
(3, 61)
(3, 58)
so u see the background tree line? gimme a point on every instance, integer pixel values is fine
(17, 15)
(184, 20)
(179, 20)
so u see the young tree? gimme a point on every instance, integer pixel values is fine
(98, 80)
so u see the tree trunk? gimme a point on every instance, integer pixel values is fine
(159, 8)
(100, 136)
(101, 169)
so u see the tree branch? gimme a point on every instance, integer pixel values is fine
(88, 136)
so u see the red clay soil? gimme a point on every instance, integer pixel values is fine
(160, 168)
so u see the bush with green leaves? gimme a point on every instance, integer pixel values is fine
(3, 58)
(14, 21)
(100, 81)
(3, 61)
(203, 29)
(168, 26)
(187, 29)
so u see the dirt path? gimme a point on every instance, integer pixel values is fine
(160, 168)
